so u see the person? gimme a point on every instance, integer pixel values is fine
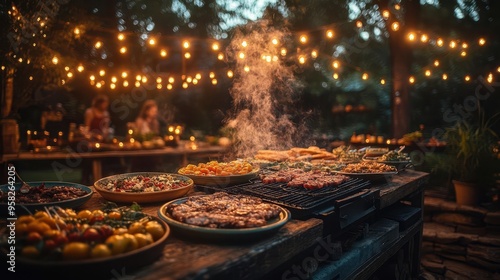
(147, 121)
(96, 118)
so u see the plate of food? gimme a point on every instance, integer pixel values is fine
(143, 187)
(87, 243)
(394, 158)
(44, 194)
(373, 171)
(220, 174)
(221, 216)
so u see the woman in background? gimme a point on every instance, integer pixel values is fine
(147, 121)
(96, 117)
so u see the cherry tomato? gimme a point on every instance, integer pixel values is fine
(136, 228)
(34, 237)
(119, 231)
(105, 231)
(49, 245)
(74, 236)
(100, 251)
(155, 229)
(143, 239)
(116, 244)
(21, 229)
(37, 226)
(30, 252)
(49, 221)
(131, 242)
(91, 235)
(76, 251)
(61, 239)
(84, 214)
(115, 215)
(41, 214)
(51, 233)
(25, 220)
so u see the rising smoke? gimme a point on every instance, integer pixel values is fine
(263, 91)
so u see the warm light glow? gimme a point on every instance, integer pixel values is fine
(246, 68)
(158, 80)
(113, 79)
(124, 74)
(241, 55)
(184, 85)
(329, 34)
(123, 49)
(359, 24)
(171, 80)
(467, 78)
(185, 44)
(395, 26)
(169, 86)
(445, 76)
(55, 60)
(498, 69)
(159, 86)
(490, 78)
(382, 82)
(314, 54)
(464, 45)
(274, 41)
(482, 41)
(102, 73)
(244, 44)
(187, 55)
(120, 144)
(386, 14)
(220, 56)
(163, 53)
(211, 75)
(428, 73)
(137, 84)
(397, 6)
(70, 75)
(97, 145)
(80, 68)
(364, 76)
(125, 83)
(230, 73)
(31, 78)
(112, 86)
(215, 46)
(98, 45)
(66, 68)
(302, 59)
(411, 36)
(92, 77)
(152, 41)
(189, 79)
(463, 53)
(3, 67)
(214, 82)
(424, 38)
(303, 39)
(283, 52)
(336, 64)
(436, 63)
(411, 79)
(335, 76)
(453, 44)
(121, 36)
(195, 81)
(76, 31)
(440, 42)
(144, 79)
(98, 85)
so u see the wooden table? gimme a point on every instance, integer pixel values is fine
(72, 157)
(274, 257)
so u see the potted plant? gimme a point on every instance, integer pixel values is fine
(472, 161)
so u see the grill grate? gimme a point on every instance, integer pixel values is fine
(299, 199)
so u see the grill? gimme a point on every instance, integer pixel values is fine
(341, 206)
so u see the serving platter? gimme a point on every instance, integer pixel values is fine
(221, 234)
(102, 268)
(142, 197)
(24, 208)
(221, 181)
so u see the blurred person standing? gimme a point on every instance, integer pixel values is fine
(96, 118)
(147, 121)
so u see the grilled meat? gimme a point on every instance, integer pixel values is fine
(298, 178)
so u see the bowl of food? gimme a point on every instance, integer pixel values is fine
(369, 170)
(221, 174)
(42, 194)
(143, 187)
(59, 242)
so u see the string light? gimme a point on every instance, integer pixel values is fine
(424, 38)
(314, 54)
(382, 81)
(364, 76)
(121, 37)
(445, 76)
(92, 77)
(464, 45)
(397, 7)
(411, 79)
(185, 44)
(490, 78)
(76, 31)
(98, 85)
(80, 68)
(453, 44)
(440, 42)
(335, 76)
(102, 73)
(246, 68)
(274, 41)
(184, 85)
(482, 41)
(411, 36)
(31, 78)
(428, 73)
(241, 55)
(211, 75)
(113, 79)
(302, 59)
(112, 86)
(467, 78)
(283, 52)
(189, 79)
(244, 44)
(198, 76)
(395, 26)
(123, 49)
(137, 84)
(124, 74)
(385, 14)
(98, 45)
(70, 75)
(55, 60)
(159, 86)
(214, 82)
(436, 63)
(336, 64)
(329, 34)
(359, 24)
(66, 68)
(195, 81)
(463, 53)
(215, 46)
(171, 80)
(187, 55)
(303, 39)
(498, 69)
(163, 53)
(220, 56)
(169, 86)
(138, 77)
(125, 83)
(144, 79)
(152, 41)
(158, 80)
(230, 73)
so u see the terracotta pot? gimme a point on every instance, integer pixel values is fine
(466, 193)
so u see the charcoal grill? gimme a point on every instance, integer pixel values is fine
(339, 206)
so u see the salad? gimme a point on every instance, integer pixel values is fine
(140, 183)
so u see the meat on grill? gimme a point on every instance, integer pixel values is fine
(221, 210)
(309, 180)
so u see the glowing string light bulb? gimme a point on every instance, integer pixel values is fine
(124, 74)
(169, 87)
(92, 77)
(220, 56)
(230, 74)
(241, 55)
(359, 24)
(98, 45)
(158, 80)
(144, 79)
(440, 42)
(424, 38)
(80, 68)
(246, 68)
(453, 44)
(465, 45)
(113, 79)
(436, 63)
(382, 82)
(214, 82)
(77, 31)
(283, 52)
(187, 55)
(102, 73)
(395, 26)
(123, 50)
(364, 76)
(152, 41)
(55, 60)
(185, 44)
(386, 14)
(274, 41)
(463, 53)
(197, 76)
(171, 80)
(428, 73)
(112, 86)
(411, 36)
(490, 78)
(244, 44)
(137, 84)
(411, 79)
(482, 41)
(445, 76)
(329, 34)
(215, 46)
(302, 59)
(70, 75)
(185, 85)
(121, 37)
(303, 39)
(98, 85)
(314, 53)
(467, 78)
(336, 64)
(163, 53)
(335, 76)
(125, 83)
